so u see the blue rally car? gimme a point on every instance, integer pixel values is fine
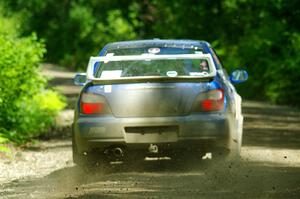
(164, 98)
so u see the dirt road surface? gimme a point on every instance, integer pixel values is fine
(270, 166)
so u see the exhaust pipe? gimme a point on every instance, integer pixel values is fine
(117, 152)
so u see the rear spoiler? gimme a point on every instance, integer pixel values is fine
(149, 57)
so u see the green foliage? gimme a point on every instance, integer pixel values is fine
(26, 108)
(34, 116)
(260, 36)
(79, 28)
(90, 34)
(3, 140)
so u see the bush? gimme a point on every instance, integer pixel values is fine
(260, 36)
(80, 28)
(3, 140)
(26, 108)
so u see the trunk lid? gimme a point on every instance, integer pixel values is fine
(150, 99)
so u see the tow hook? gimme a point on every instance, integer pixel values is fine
(153, 148)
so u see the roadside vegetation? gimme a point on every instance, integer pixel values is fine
(27, 108)
(262, 37)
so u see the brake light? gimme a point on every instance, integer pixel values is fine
(214, 100)
(91, 108)
(93, 104)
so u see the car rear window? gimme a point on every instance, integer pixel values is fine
(177, 67)
(166, 67)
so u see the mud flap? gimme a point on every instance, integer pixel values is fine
(235, 137)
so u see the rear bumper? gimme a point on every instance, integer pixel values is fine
(103, 132)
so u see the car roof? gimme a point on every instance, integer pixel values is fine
(180, 43)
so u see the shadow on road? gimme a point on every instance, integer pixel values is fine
(272, 138)
(271, 126)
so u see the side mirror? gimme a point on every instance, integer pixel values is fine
(238, 76)
(80, 79)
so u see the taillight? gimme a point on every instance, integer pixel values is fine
(92, 104)
(212, 100)
(91, 108)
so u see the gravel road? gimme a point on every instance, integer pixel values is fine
(270, 166)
